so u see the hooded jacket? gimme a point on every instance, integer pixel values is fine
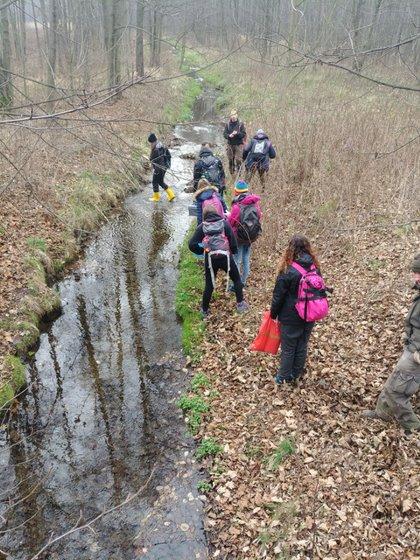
(239, 138)
(244, 199)
(198, 236)
(206, 157)
(204, 194)
(258, 161)
(412, 325)
(286, 292)
(160, 157)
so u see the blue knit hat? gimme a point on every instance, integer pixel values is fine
(241, 187)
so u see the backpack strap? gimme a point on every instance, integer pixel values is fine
(299, 268)
(210, 263)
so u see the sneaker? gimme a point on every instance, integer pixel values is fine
(242, 307)
(279, 379)
(204, 314)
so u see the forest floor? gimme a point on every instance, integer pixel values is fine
(297, 472)
(70, 177)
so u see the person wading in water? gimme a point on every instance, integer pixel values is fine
(160, 158)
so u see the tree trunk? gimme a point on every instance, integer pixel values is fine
(23, 42)
(139, 38)
(357, 12)
(114, 59)
(6, 86)
(154, 37)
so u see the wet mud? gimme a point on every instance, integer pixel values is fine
(99, 420)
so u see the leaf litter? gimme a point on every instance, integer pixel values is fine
(347, 488)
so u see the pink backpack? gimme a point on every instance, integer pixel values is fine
(215, 201)
(312, 302)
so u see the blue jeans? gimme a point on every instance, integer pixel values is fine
(242, 257)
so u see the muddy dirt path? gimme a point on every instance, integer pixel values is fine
(99, 417)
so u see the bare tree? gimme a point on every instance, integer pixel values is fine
(140, 37)
(6, 86)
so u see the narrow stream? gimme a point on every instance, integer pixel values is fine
(99, 418)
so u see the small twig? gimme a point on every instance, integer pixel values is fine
(88, 525)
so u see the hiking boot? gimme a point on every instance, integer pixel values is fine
(371, 415)
(411, 430)
(170, 194)
(242, 307)
(155, 197)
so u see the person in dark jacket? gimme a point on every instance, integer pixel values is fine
(404, 381)
(210, 167)
(257, 155)
(235, 135)
(205, 191)
(214, 263)
(295, 332)
(160, 158)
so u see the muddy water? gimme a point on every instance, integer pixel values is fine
(99, 419)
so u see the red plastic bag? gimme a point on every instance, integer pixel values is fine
(268, 337)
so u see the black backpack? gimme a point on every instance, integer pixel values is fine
(166, 157)
(249, 226)
(211, 170)
(260, 149)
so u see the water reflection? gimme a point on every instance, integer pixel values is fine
(98, 416)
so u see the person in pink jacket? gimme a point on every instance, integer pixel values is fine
(245, 220)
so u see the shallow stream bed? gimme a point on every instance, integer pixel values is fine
(99, 420)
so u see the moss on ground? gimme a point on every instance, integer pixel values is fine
(191, 89)
(187, 300)
(16, 379)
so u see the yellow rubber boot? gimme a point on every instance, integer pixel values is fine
(155, 197)
(170, 194)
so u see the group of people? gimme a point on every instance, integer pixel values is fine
(223, 240)
(254, 156)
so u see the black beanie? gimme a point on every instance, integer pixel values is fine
(152, 138)
(416, 263)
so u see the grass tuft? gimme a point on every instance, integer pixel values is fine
(207, 448)
(194, 407)
(285, 448)
(204, 487)
(200, 381)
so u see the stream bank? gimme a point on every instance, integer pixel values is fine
(99, 419)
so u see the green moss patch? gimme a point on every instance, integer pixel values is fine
(16, 374)
(187, 300)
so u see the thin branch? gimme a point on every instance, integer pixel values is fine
(320, 60)
(89, 524)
